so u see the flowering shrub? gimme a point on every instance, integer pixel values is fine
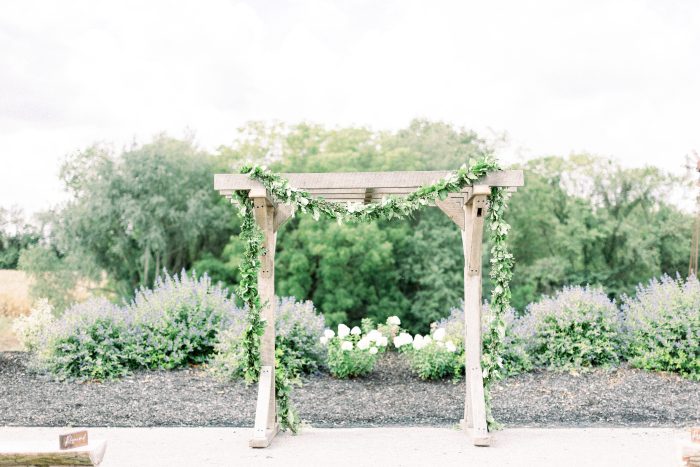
(515, 358)
(93, 340)
(663, 324)
(352, 353)
(298, 329)
(432, 356)
(31, 330)
(179, 320)
(176, 323)
(578, 327)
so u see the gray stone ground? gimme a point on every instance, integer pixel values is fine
(356, 447)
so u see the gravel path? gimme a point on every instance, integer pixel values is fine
(390, 396)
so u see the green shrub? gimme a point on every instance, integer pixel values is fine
(352, 353)
(516, 360)
(175, 324)
(298, 331)
(577, 328)
(433, 357)
(178, 321)
(91, 341)
(663, 326)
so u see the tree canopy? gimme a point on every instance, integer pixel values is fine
(579, 220)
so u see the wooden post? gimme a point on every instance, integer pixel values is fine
(474, 404)
(266, 425)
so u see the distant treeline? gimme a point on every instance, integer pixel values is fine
(578, 220)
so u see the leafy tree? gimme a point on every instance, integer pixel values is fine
(149, 209)
(16, 235)
(586, 220)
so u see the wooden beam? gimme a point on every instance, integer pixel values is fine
(45, 454)
(335, 180)
(475, 404)
(262, 433)
(266, 419)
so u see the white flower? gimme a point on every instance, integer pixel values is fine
(440, 344)
(450, 346)
(427, 340)
(439, 334)
(324, 340)
(383, 341)
(328, 333)
(418, 342)
(343, 331)
(373, 350)
(363, 344)
(356, 331)
(374, 335)
(346, 345)
(393, 321)
(402, 339)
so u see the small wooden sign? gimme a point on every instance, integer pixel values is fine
(695, 434)
(73, 440)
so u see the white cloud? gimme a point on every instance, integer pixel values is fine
(615, 78)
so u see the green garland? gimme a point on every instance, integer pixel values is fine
(389, 208)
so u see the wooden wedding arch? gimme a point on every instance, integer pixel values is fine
(467, 209)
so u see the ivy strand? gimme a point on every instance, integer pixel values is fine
(392, 207)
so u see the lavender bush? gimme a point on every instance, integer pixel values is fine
(93, 340)
(578, 327)
(663, 326)
(176, 323)
(515, 357)
(298, 328)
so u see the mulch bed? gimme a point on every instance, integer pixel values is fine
(390, 396)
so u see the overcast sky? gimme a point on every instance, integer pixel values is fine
(615, 78)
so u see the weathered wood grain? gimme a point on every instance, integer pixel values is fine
(475, 404)
(409, 181)
(266, 420)
(42, 454)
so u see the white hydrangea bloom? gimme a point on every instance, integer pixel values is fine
(402, 339)
(374, 335)
(383, 341)
(363, 344)
(449, 345)
(373, 350)
(427, 340)
(346, 345)
(343, 331)
(439, 334)
(356, 331)
(328, 333)
(324, 340)
(418, 342)
(393, 321)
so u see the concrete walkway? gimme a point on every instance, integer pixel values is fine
(388, 447)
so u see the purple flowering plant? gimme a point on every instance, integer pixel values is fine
(298, 329)
(176, 323)
(663, 326)
(576, 328)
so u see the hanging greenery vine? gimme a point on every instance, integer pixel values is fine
(389, 208)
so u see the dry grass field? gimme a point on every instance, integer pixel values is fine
(14, 301)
